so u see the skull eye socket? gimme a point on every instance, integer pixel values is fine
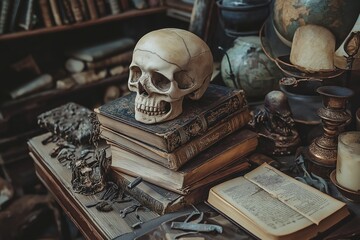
(136, 73)
(183, 80)
(160, 81)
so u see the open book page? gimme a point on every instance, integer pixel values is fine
(259, 207)
(304, 199)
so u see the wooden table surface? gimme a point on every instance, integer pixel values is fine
(94, 224)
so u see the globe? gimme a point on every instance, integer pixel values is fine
(339, 16)
(253, 71)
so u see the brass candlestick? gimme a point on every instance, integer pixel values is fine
(322, 152)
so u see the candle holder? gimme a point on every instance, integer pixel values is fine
(322, 152)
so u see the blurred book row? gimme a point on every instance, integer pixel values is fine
(82, 66)
(16, 15)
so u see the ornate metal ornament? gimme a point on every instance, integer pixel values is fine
(75, 131)
(276, 126)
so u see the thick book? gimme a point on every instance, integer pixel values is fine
(195, 172)
(161, 200)
(175, 159)
(197, 117)
(272, 205)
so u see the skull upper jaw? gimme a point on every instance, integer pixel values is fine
(151, 112)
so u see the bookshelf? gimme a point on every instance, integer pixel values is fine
(133, 13)
(48, 47)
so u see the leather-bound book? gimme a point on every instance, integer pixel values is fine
(196, 172)
(175, 159)
(197, 117)
(161, 200)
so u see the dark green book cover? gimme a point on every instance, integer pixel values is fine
(216, 104)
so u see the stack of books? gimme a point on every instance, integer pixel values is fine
(180, 159)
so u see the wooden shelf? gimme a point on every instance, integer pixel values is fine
(112, 18)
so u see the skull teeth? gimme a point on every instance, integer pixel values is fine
(152, 110)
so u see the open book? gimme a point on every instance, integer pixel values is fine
(272, 205)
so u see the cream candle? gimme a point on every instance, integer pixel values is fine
(348, 160)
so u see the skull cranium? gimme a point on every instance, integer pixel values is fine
(168, 65)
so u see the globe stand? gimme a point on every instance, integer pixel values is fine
(322, 152)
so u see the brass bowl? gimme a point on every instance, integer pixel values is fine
(349, 194)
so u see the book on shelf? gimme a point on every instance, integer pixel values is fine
(125, 5)
(197, 117)
(101, 7)
(84, 9)
(272, 205)
(4, 15)
(76, 10)
(92, 9)
(113, 6)
(103, 50)
(55, 12)
(26, 15)
(67, 15)
(45, 13)
(15, 12)
(175, 159)
(161, 200)
(194, 173)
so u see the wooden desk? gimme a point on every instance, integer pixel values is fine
(94, 224)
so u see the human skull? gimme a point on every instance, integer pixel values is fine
(168, 65)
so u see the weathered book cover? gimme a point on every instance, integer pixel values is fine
(175, 159)
(161, 200)
(70, 121)
(197, 117)
(194, 173)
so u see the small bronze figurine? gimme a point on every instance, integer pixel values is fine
(275, 126)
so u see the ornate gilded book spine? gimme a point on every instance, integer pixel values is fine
(214, 135)
(205, 121)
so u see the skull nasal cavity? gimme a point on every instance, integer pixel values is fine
(141, 89)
